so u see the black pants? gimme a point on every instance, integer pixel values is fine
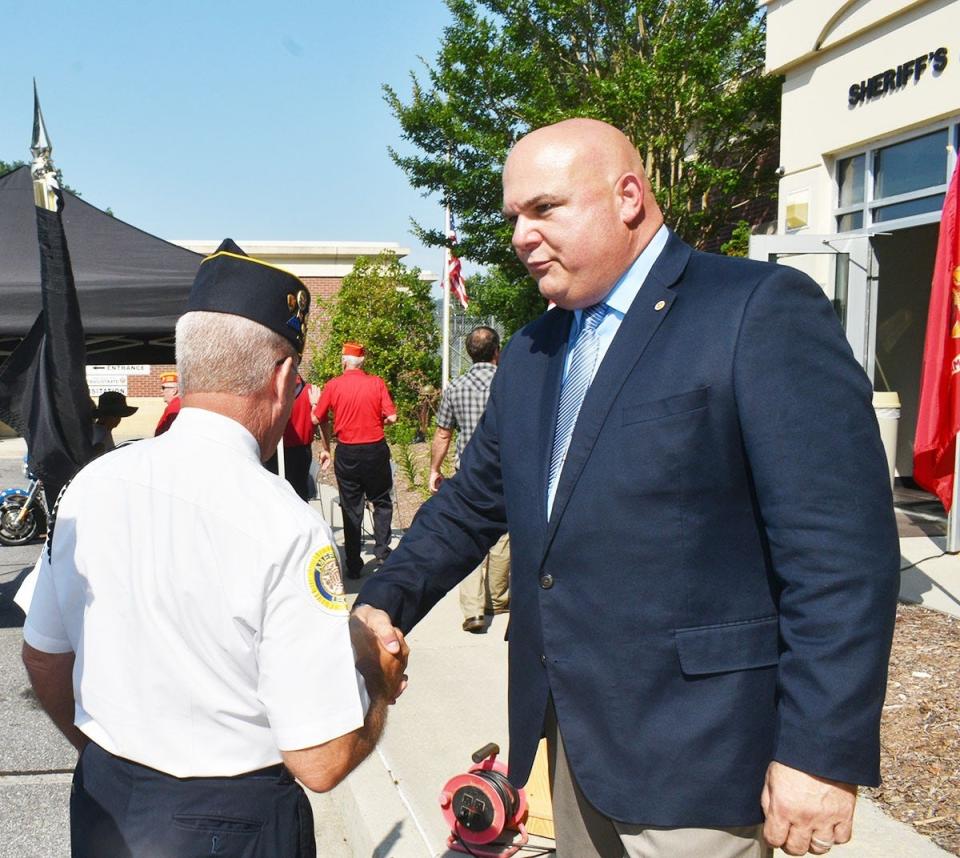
(119, 809)
(296, 468)
(363, 471)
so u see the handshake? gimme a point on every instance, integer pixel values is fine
(381, 653)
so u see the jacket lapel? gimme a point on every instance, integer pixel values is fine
(649, 309)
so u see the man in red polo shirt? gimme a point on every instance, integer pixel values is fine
(170, 388)
(361, 407)
(298, 441)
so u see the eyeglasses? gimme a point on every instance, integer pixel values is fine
(298, 387)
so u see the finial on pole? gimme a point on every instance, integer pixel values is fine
(45, 184)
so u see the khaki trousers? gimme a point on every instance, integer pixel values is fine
(486, 590)
(583, 832)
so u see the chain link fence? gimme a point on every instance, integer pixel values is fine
(461, 323)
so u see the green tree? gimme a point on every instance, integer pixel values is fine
(386, 307)
(10, 166)
(682, 78)
(739, 242)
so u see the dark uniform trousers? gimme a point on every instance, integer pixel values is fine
(120, 809)
(363, 470)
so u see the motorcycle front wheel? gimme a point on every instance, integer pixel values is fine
(12, 532)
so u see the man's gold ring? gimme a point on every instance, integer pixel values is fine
(821, 844)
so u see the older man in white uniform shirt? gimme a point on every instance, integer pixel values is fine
(198, 676)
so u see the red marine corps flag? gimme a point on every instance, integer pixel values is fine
(453, 284)
(934, 449)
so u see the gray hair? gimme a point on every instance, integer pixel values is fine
(352, 361)
(223, 353)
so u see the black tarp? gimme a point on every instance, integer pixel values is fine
(131, 285)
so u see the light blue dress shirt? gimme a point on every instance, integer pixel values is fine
(618, 301)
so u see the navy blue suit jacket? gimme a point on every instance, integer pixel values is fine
(722, 547)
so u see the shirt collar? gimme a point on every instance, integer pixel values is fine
(621, 296)
(202, 423)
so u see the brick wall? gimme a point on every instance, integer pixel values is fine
(759, 213)
(148, 385)
(321, 289)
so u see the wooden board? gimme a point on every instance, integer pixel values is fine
(540, 813)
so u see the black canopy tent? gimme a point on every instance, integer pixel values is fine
(131, 285)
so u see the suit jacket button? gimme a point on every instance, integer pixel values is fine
(546, 581)
(543, 659)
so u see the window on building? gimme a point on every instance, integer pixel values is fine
(850, 180)
(910, 166)
(902, 181)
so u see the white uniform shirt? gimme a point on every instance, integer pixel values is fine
(204, 603)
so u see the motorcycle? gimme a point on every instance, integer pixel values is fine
(23, 513)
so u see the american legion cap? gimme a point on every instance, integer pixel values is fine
(229, 281)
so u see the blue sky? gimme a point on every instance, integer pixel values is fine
(205, 119)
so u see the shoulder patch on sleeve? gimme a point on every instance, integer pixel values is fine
(325, 582)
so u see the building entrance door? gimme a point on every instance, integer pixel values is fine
(842, 266)
(904, 260)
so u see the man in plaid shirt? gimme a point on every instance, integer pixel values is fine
(487, 589)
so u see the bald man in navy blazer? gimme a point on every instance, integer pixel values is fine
(703, 599)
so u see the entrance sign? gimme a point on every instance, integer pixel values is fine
(101, 383)
(116, 369)
(101, 378)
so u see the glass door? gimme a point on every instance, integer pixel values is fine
(841, 265)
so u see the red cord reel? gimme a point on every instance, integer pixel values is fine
(484, 810)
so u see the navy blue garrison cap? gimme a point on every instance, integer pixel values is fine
(229, 281)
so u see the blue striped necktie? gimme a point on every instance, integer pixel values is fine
(583, 359)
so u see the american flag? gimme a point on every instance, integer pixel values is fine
(458, 286)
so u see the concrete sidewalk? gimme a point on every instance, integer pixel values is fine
(934, 581)
(12, 448)
(388, 807)
(456, 702)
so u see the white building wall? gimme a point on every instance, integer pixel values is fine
(798, 28)
(306, 258)
(824, 46)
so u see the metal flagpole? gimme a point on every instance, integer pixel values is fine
(43, 385)
(445, 374)
(953, 520)
(45, 184)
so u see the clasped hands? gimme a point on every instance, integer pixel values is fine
(381, 651)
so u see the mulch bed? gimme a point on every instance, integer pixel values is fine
(920, 730)
(411, 497)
